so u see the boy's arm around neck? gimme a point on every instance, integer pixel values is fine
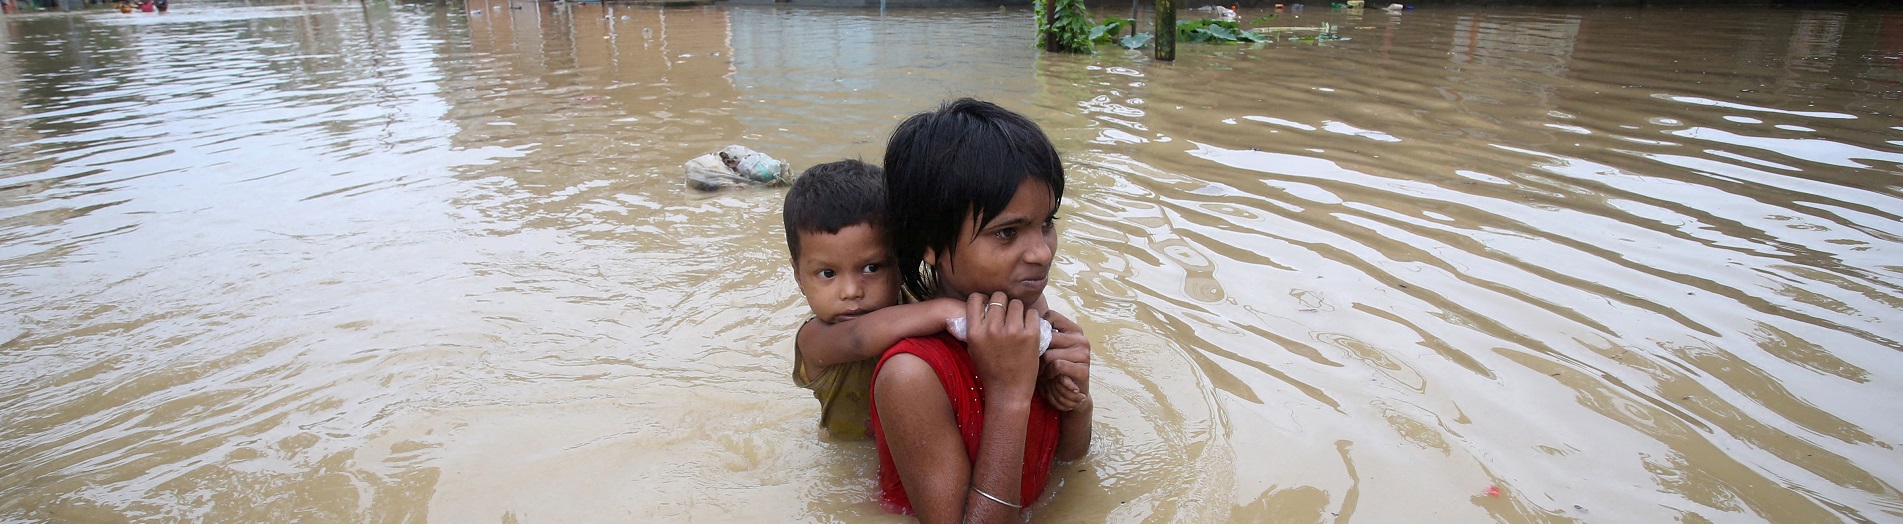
(868, 336)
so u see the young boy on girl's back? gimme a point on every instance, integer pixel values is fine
(843, 262)
(835, 231)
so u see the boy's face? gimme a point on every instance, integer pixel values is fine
(846, 274)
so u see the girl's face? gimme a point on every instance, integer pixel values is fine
(1012, 253)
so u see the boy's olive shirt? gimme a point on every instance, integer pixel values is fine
(845, 396)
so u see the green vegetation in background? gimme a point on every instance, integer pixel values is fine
(1077, 35)
(1212, 31)
(1109, 29)
(1201, 31)
(1072, 28)
(1107, 32)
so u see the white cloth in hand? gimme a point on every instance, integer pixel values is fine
(956, 326)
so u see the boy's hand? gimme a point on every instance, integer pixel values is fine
(1066, 365)
(1060, 393)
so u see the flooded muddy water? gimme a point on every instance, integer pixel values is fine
(375, 261)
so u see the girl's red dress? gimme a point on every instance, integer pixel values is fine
(952, 364)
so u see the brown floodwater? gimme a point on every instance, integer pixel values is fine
(352, 261)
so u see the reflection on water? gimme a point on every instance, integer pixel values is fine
(385, 261)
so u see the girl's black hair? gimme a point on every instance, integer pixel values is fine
(833, 196)
(964, 160)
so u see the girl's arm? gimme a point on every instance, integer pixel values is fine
(922, 433)
(868, 336)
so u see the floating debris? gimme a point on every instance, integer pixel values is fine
(735, 166)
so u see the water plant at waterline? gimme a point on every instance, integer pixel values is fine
(1207, 31)
(1107, 32)
(1201, 31)
(1210, 30)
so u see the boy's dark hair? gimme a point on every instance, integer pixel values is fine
(968, 157)
(833, 196)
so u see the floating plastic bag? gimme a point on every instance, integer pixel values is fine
(735, 166)
(755, 165)
(708, 173)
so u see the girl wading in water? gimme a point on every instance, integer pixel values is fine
(972, 193)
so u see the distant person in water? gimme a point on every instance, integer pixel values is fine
(973, 191)
(844, 264)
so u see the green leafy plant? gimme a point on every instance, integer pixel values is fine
(1200, 31)
(1107, 31)
(1135, 41)
(1072, 28)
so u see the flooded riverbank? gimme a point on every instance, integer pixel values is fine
(375, 261)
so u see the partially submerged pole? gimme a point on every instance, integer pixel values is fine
(1133, 17)
(1166, 30)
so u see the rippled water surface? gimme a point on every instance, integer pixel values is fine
(380, 261)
